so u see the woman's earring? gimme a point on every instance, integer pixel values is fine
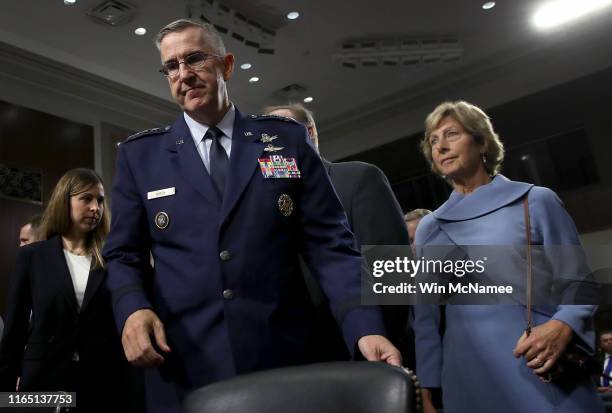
(484, 158)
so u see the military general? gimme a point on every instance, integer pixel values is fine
(224, 203)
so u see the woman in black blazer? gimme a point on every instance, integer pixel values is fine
(59, 329)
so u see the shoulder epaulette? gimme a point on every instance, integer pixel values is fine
(274, 117)
(144, 133)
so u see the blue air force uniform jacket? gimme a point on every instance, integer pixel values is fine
(226, 281)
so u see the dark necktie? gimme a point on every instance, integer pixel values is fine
(219, 162)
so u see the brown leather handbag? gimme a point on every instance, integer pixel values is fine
(575, 363)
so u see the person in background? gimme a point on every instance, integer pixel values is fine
(373, 213)
(28, 232)
(70, 342)
(412, 220)
(484, 360)
(605, 343)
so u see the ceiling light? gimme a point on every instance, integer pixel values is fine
(245, 66)
(69, 2)
(254, 79)
(293, 15)
(488, 5)
(559, 12)
(308, 99)
(141, 31)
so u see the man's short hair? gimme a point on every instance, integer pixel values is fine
(416, 214)
(34, 222)
(301, 114)
(211, 35)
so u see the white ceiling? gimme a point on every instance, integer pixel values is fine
(304, 47)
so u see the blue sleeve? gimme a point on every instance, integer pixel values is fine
(428, 344)
(556, 228)
(426, 324)
(328, 250)
(127, 247)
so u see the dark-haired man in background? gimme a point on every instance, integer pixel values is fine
(375, 218)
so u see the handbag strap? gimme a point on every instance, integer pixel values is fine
(529, 274)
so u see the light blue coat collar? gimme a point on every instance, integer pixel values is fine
(485, 199)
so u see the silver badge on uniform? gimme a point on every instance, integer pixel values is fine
(162, 220)
(272, 148)
(285, 205)
(265, 138)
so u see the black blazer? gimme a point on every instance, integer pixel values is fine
(374, 215)
(41, 350)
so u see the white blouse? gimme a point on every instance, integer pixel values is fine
(79, 266)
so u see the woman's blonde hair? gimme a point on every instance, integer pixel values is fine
(476, 123)
(56, 218)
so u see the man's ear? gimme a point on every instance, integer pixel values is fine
(310, 131)
(228, 66)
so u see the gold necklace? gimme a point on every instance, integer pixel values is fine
(80, 252)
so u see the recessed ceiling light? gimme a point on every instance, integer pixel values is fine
(254, 79)
(69, 2)
(488, 5)
(559, 12)
(308, 99)
(141, 31)
(293, 15)
(245, 66)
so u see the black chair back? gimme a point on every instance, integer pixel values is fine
(352, 387)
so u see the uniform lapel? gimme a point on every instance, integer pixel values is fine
(55, 255)
(96, 276)
(246, 150)
(190, 165)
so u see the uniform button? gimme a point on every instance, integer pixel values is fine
(225, 255)
(228, 294)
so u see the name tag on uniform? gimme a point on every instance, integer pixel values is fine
(277, 166)
(161, 193)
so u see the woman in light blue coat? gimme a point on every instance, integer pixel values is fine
(484, 362)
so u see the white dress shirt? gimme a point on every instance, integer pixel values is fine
(605, 366)
(198, 130)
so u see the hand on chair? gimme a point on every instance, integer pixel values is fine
(379, 348)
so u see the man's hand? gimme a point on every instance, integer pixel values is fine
(378, 348)
(544, 345)
(136, 342)
(428, 406)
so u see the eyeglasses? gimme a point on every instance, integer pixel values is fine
(449, 135)
(192, 61)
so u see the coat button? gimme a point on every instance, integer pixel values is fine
(228, 294)
(225, 255)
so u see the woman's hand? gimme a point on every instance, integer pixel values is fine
(544, 345)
